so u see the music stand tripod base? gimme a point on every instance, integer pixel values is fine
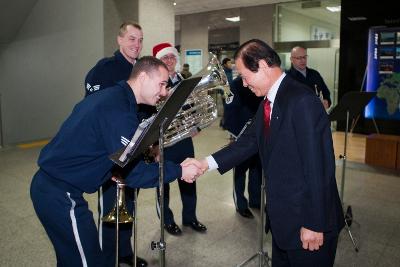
(262, 255)
(350, 105)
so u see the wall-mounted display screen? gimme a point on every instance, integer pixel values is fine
(383, 73)
(387, 37)
(386, 52)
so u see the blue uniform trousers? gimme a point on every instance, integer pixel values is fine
(178, 153)
(67, 220)
(253, 165)
(189, 199)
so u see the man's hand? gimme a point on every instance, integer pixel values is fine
(201, 164)
(311, 240)
(190, 172)
(118, 180)
(154, 152)
(325, 103)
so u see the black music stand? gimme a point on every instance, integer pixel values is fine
(351, 105)
(146, 135)
(150, 133)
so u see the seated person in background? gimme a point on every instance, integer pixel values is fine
(308, 76)
(76, 162)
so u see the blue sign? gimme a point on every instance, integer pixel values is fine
(383, 73)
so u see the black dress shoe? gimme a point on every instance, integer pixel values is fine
(246, 213)
(173, 229)
(197, 226)
(129, 261)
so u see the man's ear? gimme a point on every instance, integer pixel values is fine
(262, 64)
(119, 40)
(142, 76)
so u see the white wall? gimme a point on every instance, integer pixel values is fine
(158, 21)
(43, 69)
(323, 60)
(114, 14)
(295, 27)
(257, 22)
(194, 35)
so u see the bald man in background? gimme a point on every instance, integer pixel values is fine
(308, 76)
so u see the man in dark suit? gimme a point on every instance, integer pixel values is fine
(242, 109)
(308, 76)
(291, 133)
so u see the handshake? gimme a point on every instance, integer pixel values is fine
(192, 169)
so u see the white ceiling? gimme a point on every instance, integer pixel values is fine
(197, 6)
(230, 8)
(13, 13)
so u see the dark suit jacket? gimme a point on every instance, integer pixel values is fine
(298, 162)
(313, 79)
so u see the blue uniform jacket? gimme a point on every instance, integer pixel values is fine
(243, 107)
(107, 72)
(98, 126)
(313, 79)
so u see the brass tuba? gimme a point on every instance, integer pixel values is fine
(200, 110)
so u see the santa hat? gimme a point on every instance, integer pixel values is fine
(163, 49)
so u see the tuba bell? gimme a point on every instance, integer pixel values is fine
(199, 110)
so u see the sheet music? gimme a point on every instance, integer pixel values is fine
(143, 125)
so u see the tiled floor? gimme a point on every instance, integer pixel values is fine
(373, 195)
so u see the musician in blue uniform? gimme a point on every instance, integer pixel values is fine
(308, 76)
(110, 70)
(242, 109)
(76, 162)
(106, 73)
(177, 153)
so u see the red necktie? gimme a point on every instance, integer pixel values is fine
(267, 115)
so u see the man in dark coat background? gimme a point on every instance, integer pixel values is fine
(242, 109)
(308, 76)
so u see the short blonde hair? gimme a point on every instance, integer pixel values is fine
(124, 26)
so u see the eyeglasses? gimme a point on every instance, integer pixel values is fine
(168, 57)
(301, 57)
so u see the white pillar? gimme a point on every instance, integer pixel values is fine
(194, 35)
(158, 22)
